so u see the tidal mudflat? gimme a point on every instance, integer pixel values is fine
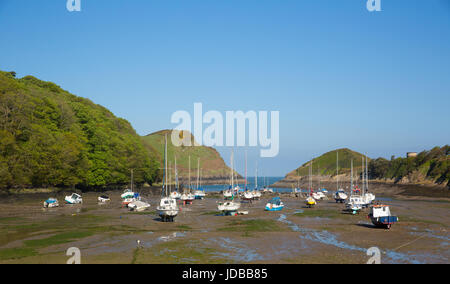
(109, 234)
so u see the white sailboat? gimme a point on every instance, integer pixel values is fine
(187, 197)
(256, 192)
(310, 200)
(199, 193)
(228, 194)
(368, 197)
(175, 194)
(167, 208)
(355, 202)
(340, 196)
(247, 194)
(229, 206)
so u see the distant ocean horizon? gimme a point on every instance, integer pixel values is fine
(262, 181)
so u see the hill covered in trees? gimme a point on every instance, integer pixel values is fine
(432, 166)
(428, 168)
(51, 138)
(213, 168)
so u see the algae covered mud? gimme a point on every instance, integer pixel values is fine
(110, 234)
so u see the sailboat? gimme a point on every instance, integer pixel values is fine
(229, 206)
(355, 202)
(320, 193)
(368, 197)
(228, 194)
(187, 197)
(199, 193)
(340, 196)
(256, 192)
(310, 200)
(167, 208)
(129, 195)
(247, 195)
(175, 194)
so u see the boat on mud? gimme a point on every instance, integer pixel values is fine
(168, 208)
(311, 200)
(380, 215)
(175, 195)
(73, 199)
(129, 196)
(228, 207)
(247, 196)
(51, 203)
(103, 199)
(138, 206)
(340, 196)
(275, 204)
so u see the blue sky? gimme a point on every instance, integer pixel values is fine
(340, 76)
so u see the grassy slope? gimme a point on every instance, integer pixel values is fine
(326, 164)
(211, 163)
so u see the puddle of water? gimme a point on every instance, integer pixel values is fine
(328, 238)
(242, 254)
(171, 236)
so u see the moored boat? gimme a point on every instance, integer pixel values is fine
(51, 203)
(168, 208)
(73, 199)
(138, 206)
(103, 199)
(275, 204)
(380, 215)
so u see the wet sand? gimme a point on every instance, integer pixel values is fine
(109, 234)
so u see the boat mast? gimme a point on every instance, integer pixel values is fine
(310, 178)
(363, 173)
(189, 188)
(256, 176)
(131, 185)
(176, 174)
(198, 171)
(164, 190)
(232, 169)
(367, 176)
(245, 169)
(337, 171)
(351, 179)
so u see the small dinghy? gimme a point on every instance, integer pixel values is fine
(138, 206)
(129, 196)
(228, 194)
(310, 201)
(175, 195)
(199, 194)
(275, 204)
(228, 207)
(340, 196)
(187, 198)
(381, 216)
(103, 199)
(74, 199)
(51, 203)
(248, 195)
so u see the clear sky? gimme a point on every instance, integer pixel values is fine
(378, 83)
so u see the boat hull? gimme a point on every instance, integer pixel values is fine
(384, 222)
